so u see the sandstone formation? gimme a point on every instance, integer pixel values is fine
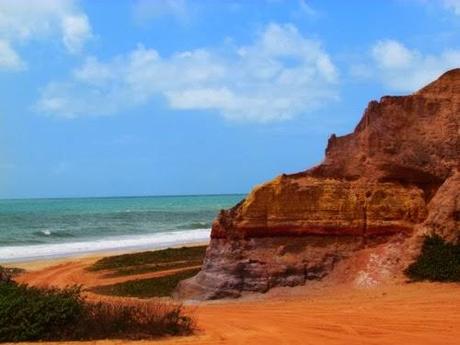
(444, 216)
(378, 190)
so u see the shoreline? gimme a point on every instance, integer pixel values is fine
(44, 262)
(140, 242)
(337, 314)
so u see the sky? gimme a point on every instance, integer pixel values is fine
(160, 97)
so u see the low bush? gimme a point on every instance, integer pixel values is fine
(164, 256)
(28, 313)
(31, 314)
(151, 268)
(146, 288)
(134, 321)
(438, 261)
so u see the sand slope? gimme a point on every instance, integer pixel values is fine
(422, 313)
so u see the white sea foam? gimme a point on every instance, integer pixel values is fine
(150, 241)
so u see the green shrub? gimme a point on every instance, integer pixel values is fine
(145, 288)
(28, 313)
(438, 261)
(31, 314)
(151, 268)
(164, 256)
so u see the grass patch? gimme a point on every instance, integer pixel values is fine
(150, 261)
(150, 268)
(145, 288)
(32, 314)
(438, 261)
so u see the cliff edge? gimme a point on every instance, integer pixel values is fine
(359, 215)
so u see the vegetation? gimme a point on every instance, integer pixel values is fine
(145, 288)
(8, 273)
(438, 261)
(30, 313)
(135, 321)
(130, 270)
(151, 261)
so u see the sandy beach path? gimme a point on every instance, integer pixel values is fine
(409, 314)
(74, 272)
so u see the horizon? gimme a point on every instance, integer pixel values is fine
(121, 196)
(183, 97)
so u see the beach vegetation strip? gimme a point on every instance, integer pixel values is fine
(146, 288)
(151, 268)
(150, 261)
(44, 314)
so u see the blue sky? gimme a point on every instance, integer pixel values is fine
(103, 98)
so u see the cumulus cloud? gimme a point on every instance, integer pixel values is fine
(25, 20)
(145, 10)
(404, 69)
(76, 31)
(390, 54)
(453, 5)
(9, 59)
(280, 75)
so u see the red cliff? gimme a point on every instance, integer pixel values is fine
(383, 186)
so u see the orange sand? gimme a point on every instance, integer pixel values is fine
(422, 313)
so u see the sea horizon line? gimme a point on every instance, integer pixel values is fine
(119, 196)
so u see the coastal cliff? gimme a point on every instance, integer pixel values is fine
(377, 192)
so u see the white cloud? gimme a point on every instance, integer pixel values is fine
(75, 32)
(306, 8)
(280, 75)
(9, 59)
(403, 69)
(453, 5)
(392, 54)
(449, 5)
(145, 10)
(26, 20)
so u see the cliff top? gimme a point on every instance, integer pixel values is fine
(447, 85)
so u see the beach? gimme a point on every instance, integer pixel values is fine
(48, 229)
(230, 172)
(35, 264)
(320, 312)
(415, 313)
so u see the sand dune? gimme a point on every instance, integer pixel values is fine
(422, 313)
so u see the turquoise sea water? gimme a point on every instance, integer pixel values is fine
(39, 228)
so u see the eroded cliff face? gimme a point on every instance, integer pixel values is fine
(377, 192)
(304, 205)
(444, 211)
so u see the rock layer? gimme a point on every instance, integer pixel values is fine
(303, 205)
(383, 186)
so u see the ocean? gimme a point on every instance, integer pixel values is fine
(47, 228)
